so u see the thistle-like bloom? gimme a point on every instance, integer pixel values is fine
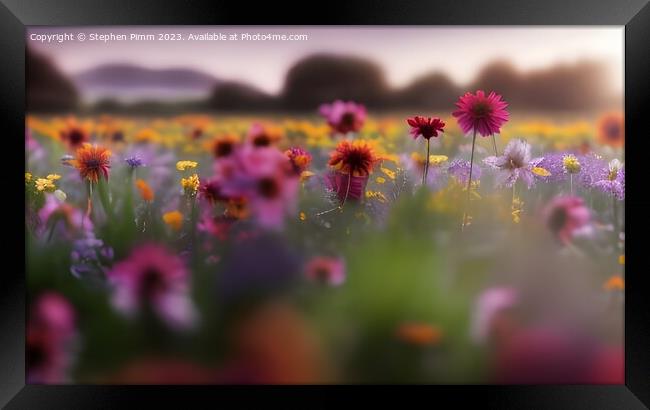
(612, 181)
(344, 117)
(92, 162)
(565, 216)
(152, 276)
(261, 136)
(50, 337)
(327, 270)
(425, 127)
(481, 113)
(356, 158)
(515, 163)
(134, 161)
(611, 130)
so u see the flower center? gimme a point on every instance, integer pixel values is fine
(223, 149)
(612, 174)
(481, 109)
(93, 163)
(268, 187)
(262, 140)
(151, 283)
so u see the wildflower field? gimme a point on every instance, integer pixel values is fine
(477, 245)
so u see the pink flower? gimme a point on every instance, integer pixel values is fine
(51, 332)
(326, 270)
(426, 127)
(63, 218)
(153, 276)
(264, 177)
(566, 215)
(491, 303)
(481, 114)
(338, 182)
(344, 117)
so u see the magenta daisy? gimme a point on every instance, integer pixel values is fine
(480, 113)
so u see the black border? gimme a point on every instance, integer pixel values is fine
(634, 14)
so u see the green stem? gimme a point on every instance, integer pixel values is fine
(494, 144)
(426, 166)
(469, 180)
(104, 197)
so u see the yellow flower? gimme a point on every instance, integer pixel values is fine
(303, 216)
(436, 160)
(542, 172)
(53, 177)
(184, 165)
(191, 184)
(376, 195)
(389, 173)
(614, 283)
(28, 177)
(44, 184)
(571, 164)
(174, 219)
(380, 180)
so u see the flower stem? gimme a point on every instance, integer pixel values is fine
(494, 144)
(571, 183)
(426, 165)
(340, 207)
(469, 180)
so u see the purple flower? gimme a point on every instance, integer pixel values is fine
(134, 161)
(553, 163)
(612, 182)
(459, 169)
(90, 257)
(593, 169)
(515, 163)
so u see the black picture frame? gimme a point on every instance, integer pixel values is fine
(15, 15)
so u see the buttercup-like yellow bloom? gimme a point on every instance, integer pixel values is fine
(44, 184)
(173, 219)
(542, 172)
(28, 177)
(185, 165)
(53, 177)
(190, 184)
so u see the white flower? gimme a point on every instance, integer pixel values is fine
(60, 195)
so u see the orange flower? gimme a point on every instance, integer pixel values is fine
(222, 147)
(264, 136)
(92, 161)
(420, 334)
(145, 190)
(354, 157)
(174, 219)
(75, 135)
(614, 283)
(611, 130)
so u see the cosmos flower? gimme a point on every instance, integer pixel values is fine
(481, 113)
(459, 169)
(612, 182)
(344, 117)
(327, 270)
(261, 136)
(92, 162)
(565, 216)
(356, 158)
(263, 176)
(515, 163)
(50, 339)
(611, 130)
(425, 127)
(153, 276)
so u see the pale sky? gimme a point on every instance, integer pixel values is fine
(403, 52)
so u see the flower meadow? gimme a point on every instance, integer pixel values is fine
(477, 245)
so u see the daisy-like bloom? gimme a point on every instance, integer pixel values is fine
(75, 136)
(425, 127)
(459, 169)
(611, 130)
(612, 180)
(92, 162)
(173, 219)
(515, 163)
(264, 177)
(153, 276)
(49, 344)
(190, 184)
(134, 161)
(352, 163)
(261, 136)
(299, 158)
(44, 184)
(185, 165)
(565, 216)
(326, 270)
(490, 304)
(344, 117)
(224, 146)
(481, 113)
(145, 190)
(418, 334)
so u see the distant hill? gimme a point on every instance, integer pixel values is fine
(133, 82)
(47, 88)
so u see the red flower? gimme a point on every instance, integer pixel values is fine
(92, 161)
(426, 127)
(353, 157)
(481, 113)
